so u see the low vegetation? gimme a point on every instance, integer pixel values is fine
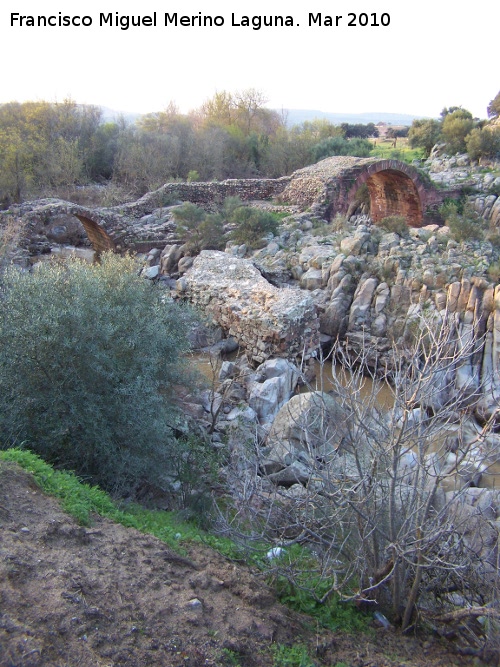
(464, 223)
(84, 501)
(459, 132)
(235, 222)
(394, 223)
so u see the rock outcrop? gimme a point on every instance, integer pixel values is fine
(265, 320)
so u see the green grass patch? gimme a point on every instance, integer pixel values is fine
(402, 152)
(333, 614)
(82, 501)
(306, 587)
(291, 656)
(78, 499)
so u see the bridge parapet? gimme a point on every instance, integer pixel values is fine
(329, 187)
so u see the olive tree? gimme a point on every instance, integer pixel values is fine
(89, 360)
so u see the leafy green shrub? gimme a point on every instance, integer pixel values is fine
(188, 215)
(394, 223)
(455, 127)
(229, 206)
(424, 134)
(332, 613)
(450, 208)
(193, 176)
(464, 223)
(301, 585)
(198, 229)
(89, 359)
(483, 142)
(230, 658)
(252, 224)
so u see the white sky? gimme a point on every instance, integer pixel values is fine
(433, 54)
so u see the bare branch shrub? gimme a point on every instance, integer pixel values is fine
(379, 501)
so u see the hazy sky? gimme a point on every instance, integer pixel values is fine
(431, 55)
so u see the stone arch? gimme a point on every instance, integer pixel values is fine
(394, 193)
(395, 189)
(100, 240)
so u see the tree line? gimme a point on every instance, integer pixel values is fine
(45, 146)
(460, 132)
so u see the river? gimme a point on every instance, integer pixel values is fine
(378, 392)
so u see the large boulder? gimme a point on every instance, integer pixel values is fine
(265, 320)
(307, 429)
(275, 381)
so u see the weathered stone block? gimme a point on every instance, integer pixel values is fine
(266, 320)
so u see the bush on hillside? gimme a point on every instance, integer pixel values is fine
(89, 360)
(455, 127)
(464, 223)
(252, 225)
(483, 142)
(394, 223)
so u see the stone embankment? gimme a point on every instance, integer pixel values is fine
(375, 289)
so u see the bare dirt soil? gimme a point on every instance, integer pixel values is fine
(109, 595)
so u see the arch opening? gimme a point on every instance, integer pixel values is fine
(99, 239)
(394, 193)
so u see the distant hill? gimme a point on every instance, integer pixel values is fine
(297, 116)
(109, 115)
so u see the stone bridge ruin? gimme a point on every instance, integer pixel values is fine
(394, 187)
(328, 187)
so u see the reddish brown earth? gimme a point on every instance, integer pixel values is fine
(108, 595)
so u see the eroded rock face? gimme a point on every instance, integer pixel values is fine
(265, 320)
(274, 383)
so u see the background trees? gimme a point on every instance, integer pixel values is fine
(455, 127)
(494, 107)
(459, 132)
(424, 133)
(46, 146)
